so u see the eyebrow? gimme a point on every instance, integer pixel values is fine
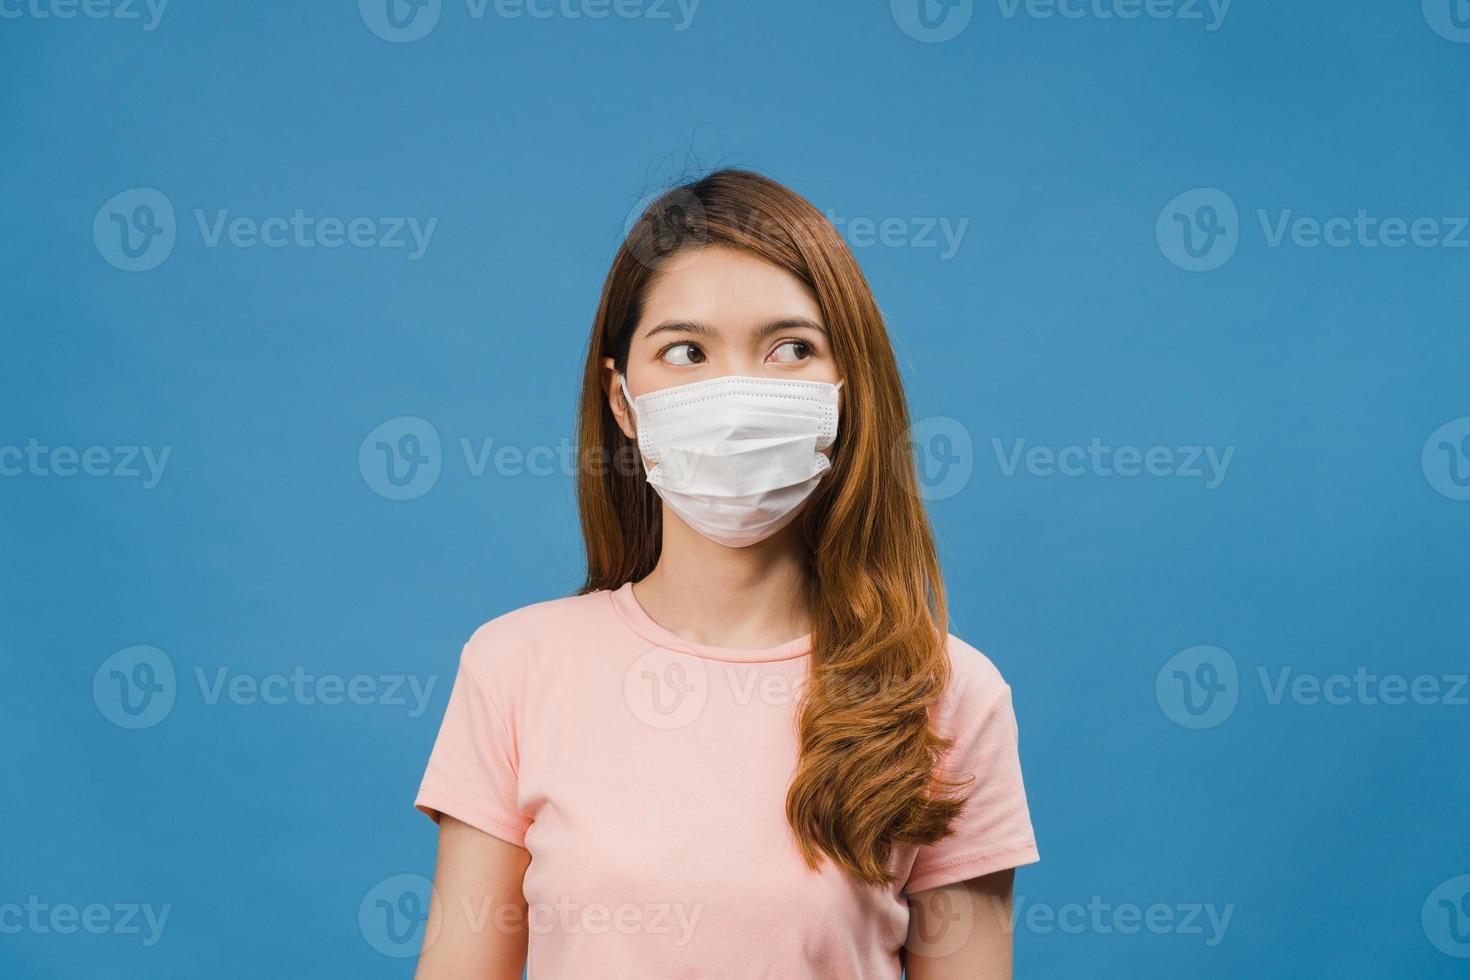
(764, 330)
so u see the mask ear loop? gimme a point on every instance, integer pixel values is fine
(637, 441)
(627, 398)
(637, 426)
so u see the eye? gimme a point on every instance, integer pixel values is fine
(791, 351)
(682, 353)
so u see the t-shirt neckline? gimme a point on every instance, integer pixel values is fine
(633, 614)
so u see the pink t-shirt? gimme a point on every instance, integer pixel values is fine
(647, 776)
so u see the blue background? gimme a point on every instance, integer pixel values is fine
(1329, 544)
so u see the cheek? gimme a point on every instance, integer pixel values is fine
(824, 368)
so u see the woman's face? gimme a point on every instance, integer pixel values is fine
(719, 312)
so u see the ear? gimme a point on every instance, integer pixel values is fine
(615, 400)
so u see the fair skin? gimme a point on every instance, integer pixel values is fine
(716, 312)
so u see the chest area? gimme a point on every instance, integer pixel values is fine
(662, 795)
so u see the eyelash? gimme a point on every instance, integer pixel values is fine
(806, 344)
(811, 348)
(663, 352)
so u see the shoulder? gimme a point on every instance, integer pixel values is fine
(538, 620)
(502, 647)
(973, 675)
(976, 686)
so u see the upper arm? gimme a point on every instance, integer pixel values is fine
(473, 772)
(962, 931)
(477, 915)
(983, 769)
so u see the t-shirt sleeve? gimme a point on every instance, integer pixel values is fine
(471, 773)
(994, 831)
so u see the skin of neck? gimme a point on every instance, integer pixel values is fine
(750, 598)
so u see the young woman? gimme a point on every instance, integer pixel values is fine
(748, 747)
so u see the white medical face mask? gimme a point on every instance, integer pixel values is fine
(736, 457)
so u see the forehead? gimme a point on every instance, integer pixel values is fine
(727, 289)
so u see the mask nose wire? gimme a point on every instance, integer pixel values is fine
(623, 383)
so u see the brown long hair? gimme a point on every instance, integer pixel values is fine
(867, 775)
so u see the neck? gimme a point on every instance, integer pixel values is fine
(752, 597)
